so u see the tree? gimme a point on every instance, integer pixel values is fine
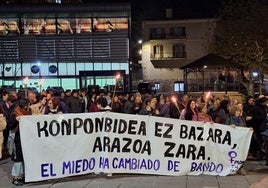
(242, 36)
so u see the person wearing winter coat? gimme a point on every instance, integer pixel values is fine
(3, 124)
(235, 119)
(74, 103)
(264, 133)
(23, 108)
(54, 106)
(102, 104)
(129, 107)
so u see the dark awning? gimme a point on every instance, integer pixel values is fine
(211, 60)
(169, 63)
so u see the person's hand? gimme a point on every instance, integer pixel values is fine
(248, 118)
(2, 117)
(18, 118)
(233, 125)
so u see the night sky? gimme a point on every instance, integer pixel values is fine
(155, 9)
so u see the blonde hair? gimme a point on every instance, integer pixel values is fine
(233, 109)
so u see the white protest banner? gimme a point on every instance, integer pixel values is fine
(56, 146)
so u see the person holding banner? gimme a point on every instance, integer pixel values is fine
(23, 108)
(103, 106)
(236, 119)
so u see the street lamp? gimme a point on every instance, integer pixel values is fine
(255, 75)
(140, 48)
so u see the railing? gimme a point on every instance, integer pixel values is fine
(167, 56)
(167, 36)
(217, 86)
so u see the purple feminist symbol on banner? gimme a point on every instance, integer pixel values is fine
(235, 164)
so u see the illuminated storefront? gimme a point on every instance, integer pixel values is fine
(73, 46)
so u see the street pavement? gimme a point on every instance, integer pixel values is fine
(256, 177)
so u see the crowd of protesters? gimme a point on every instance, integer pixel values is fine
(208, 108)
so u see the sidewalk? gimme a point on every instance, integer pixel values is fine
(257, 177)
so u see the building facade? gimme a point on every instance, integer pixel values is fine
(69, 45)
(171, 44)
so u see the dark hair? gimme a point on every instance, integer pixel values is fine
(3, 92)
(40, 97)
(249, 97)
(55, 101)
(224, 105)
(75, 91)
(67, 90)
(12, 98)
(23, 103)
(102, 101)
(188, 105)
(130, 96)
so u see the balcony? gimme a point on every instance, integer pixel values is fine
(154, 36)
(167, 56)
(167, 60)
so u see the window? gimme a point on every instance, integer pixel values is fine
(65, 26)
(109, 24)
(179, 51)
(157, 33)
(157, 51)
(9, 27)
(98, 66)
(178, 31)
(13, 69)
(178, 86)
(156, 85)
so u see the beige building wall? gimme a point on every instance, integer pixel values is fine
(198, 34)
